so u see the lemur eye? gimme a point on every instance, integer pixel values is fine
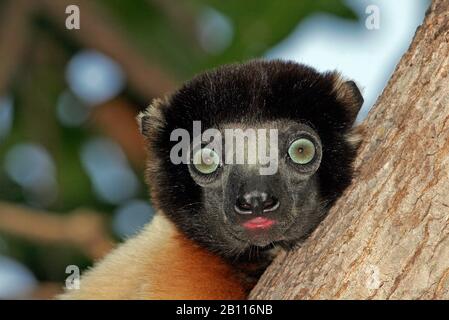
(301, 151)
(206, 161)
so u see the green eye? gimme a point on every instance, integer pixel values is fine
(206, 161)
(302, 151)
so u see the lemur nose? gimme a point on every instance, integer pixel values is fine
(256, 202)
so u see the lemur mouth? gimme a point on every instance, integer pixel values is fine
(259, 223)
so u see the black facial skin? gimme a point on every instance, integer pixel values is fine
(293, 191)
(295, 99)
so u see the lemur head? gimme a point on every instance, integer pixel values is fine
(228, 206)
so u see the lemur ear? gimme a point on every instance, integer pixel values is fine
(152, 119)
(349, 95)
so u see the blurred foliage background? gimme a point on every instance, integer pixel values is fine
(71, 158)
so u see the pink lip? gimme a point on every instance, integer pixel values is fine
(258, 223)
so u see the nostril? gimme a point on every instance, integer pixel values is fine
(256, 204)
(271, 204)
(243, 206)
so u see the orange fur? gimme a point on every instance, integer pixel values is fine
(160, 263)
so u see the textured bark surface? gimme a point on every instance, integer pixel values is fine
(388, 236)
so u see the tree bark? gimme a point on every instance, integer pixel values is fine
(388, 236)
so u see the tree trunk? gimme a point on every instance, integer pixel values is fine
(388, 236)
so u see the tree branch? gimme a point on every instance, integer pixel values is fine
(117, 119)
(180, 15)
(13, 38)
(99, 31)
(82, 228)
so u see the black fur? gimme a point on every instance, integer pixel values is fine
(256, 91)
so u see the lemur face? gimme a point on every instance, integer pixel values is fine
(257, 207)
(229, 199)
